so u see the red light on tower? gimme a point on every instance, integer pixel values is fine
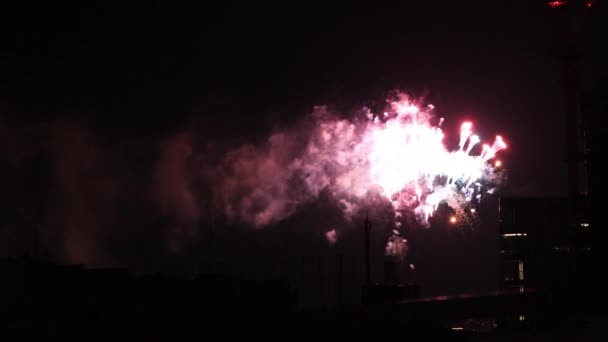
(589, 4)
(554, 4)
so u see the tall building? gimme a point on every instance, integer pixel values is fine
(594, 107)
(542, 249)
(547, 246)
(554, 243)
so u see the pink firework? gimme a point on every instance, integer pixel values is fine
(398, 154)
(407, 155)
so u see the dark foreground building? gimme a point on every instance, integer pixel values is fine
(553, 247)
(539, 247)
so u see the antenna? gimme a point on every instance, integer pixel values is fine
(367, 230)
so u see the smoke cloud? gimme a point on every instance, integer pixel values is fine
(399, 155)
(101, 188)
(174, 191)
(86, 187)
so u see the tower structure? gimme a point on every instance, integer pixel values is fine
(569, 19)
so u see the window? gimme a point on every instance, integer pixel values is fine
(521, 270)
(508, 235)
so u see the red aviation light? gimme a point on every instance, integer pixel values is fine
(554, 4)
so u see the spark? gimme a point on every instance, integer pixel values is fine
(465, 132)
(473, 140)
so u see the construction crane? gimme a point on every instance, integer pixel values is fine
(570, 17)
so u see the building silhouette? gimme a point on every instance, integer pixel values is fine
(548, 245)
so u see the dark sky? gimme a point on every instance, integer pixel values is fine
(90, 90)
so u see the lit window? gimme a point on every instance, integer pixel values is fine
(584, 224)
(522, 317)
(514, 234)
(521, 270)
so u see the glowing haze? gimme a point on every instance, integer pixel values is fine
(398, 154)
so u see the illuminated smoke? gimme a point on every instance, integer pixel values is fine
(395, 159)
(396, 247)
(86, 188)
(331, 237)
(174, 194)
(398, 154)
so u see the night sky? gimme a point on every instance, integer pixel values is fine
(98, 100)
